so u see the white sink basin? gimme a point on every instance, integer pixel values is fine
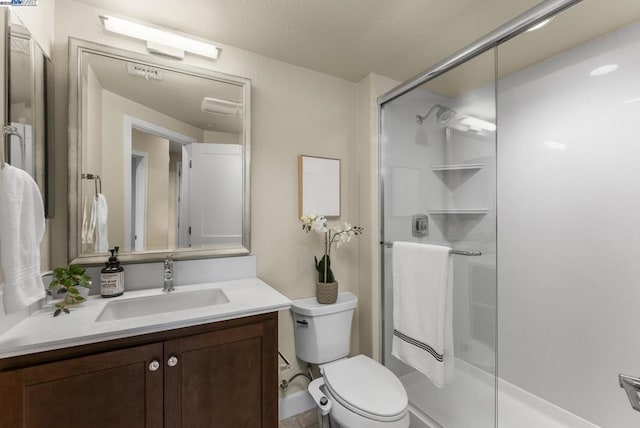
(166, 302)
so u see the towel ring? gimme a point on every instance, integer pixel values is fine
(10, 130)
(97, 182)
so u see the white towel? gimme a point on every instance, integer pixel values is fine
(22, 227)
(91, 226)
(85, 225)
(102, 214)
(422, 303)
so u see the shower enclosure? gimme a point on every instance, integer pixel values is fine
(521, 153)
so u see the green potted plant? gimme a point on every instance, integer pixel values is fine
(73, 283)
(327, 286)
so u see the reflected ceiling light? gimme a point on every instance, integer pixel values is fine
(554, 145)
(159, 41)
(539, 25)
(602, 70)
(476, 124)
(220, 107)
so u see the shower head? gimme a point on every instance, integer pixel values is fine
(443, 114)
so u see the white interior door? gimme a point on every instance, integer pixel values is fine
(216, 171)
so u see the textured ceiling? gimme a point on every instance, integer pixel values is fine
(344, 38)
(393, 38)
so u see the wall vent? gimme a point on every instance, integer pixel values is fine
(144, 71)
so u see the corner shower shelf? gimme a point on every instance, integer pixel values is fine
(475, 211)
(459, 167)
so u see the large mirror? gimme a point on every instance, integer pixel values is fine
(159, 157)
(25, 144)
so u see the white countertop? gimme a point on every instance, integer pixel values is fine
(42, 332)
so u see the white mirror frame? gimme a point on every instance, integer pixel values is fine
(76, 49)
(318, 186)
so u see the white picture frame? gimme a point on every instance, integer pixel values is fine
(318, 186)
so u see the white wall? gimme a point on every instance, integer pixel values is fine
(370, 315)
(295, 111)
(569, 198)
(40, 22)
(158, 210)
(221, 137)
(92, 133)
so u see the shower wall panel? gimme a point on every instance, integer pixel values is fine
(569, 198)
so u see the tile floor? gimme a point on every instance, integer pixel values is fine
(307, 419)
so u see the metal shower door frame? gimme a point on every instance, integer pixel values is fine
(512, 28)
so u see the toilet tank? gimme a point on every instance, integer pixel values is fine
(323, 332)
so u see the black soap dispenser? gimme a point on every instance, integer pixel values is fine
(112, 276)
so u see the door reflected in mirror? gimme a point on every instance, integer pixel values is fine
(173, 219)
(162, 154)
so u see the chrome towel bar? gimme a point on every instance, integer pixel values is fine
(458, 252)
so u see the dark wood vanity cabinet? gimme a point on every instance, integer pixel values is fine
(103, 390)
(216, 375)
(226, 378)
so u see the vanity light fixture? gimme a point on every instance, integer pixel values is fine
(159, 41)
(477, 125)
(220, 107)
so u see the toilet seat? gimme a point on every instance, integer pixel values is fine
(366, 388)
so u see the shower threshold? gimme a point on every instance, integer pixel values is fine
(441, 408)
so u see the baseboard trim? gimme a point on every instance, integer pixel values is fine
(294, 404)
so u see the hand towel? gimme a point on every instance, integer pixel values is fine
(85, 225)
(22, 227)
(102, 233)
(422, 309)
(91, 226)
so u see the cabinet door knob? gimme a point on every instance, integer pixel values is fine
(172, 361)
(154, 365)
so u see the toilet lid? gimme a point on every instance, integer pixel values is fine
(366, 387)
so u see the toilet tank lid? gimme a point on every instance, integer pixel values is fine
(310, 307)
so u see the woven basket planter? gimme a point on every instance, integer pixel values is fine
(326, 292)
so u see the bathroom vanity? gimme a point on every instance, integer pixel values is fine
(202, 367)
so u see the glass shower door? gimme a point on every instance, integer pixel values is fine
(438, 162)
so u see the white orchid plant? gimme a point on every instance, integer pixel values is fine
(335, 237)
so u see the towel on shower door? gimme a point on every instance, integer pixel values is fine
(422, 303)
(22, 227)
(101, 216)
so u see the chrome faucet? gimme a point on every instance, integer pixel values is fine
(168, 275)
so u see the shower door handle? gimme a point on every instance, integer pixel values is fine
(631, 386)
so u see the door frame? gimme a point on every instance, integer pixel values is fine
(141, 184)
(131, 123)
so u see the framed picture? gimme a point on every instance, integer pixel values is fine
(318, 186)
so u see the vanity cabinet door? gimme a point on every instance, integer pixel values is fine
(111, 389)
(226, 378)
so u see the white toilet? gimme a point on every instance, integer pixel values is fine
(356, 392)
